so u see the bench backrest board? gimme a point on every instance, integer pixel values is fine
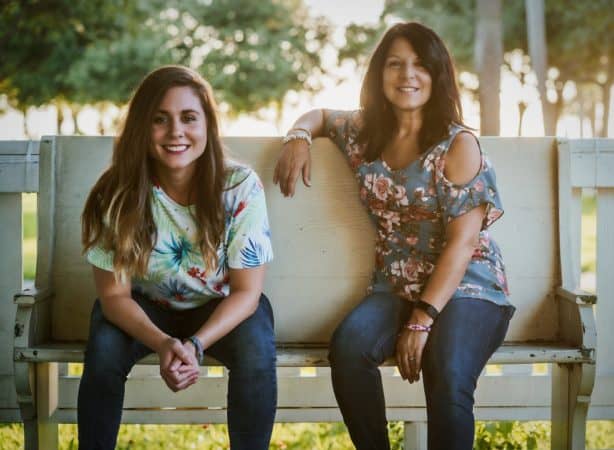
(323, 240)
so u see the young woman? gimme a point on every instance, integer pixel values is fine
(438, 300)
(178, 237)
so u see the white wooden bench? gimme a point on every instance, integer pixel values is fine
(323, 245)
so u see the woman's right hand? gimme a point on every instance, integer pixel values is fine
(294, 159)
(178, 367)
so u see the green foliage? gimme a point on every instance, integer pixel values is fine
(453, 20)
(511, 436)
(600, 434)
(41, 40)
(313, 436)
(62, 51)
(253, 52)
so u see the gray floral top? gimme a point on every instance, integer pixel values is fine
(411, 207)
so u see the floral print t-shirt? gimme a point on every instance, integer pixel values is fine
(411, 208)
(177, 276)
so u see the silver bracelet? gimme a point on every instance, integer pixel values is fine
(297, 133)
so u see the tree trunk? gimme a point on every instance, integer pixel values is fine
(582, 110)
(75, 110)
(536, 36)
(607, 100)
(488, 60)
(26, 130)
(522, 107)
(59, 117)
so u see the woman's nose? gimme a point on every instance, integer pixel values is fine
(176, 128)
(409, 71)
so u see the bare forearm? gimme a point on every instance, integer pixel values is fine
(126, 314)
(231, 311)
(448, 273)
(313, 121)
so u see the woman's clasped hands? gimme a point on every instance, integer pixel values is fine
(178, 365)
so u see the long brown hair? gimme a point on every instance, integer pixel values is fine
(117, 214)
(441, 110)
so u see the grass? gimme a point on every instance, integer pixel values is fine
(589, 233)
(29, 236)
(312, 436)
(329, 436)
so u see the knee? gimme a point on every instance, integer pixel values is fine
(450, 387)
(106, 352)
(254, 349)
(346, 347)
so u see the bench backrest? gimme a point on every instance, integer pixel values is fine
(323, 240)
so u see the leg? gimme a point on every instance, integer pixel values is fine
(109, 357)
(365, 338)
(248, 352)
(464, 336)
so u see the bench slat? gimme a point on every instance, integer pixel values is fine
(308, 356)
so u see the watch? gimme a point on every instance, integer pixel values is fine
(198, 348)
(429, 309)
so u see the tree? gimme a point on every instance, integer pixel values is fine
(536, 36)
(488, 60)
(455, 22)
(580, 47)
(253, 53)
(41, 41)
(95, 52)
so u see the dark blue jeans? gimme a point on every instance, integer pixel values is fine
(248, 352)
(463, 337)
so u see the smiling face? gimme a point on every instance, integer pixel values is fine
(405, 81)
(178, 133)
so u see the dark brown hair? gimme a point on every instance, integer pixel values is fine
(117, 214)
(441, 110)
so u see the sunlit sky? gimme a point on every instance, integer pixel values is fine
(336, 96)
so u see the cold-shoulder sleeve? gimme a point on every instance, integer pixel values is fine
(456, 200)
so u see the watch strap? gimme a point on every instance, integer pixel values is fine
(429, 309)
(198, 348)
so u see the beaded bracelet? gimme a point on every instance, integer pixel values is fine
(298, 133)
(417, 327)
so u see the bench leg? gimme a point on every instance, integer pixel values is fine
(37, 405)
(572, 385)
(414, 436)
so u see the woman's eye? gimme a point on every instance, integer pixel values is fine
(394, 64)
(158, 120)
(189, 118)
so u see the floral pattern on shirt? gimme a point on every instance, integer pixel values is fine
(411, 208)
(177, 276)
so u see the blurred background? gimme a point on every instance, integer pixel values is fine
(525, 68)
(529, 68)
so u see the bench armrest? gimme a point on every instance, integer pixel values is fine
(31, 296)
(33, 317)
(577, 296)
(577, 324)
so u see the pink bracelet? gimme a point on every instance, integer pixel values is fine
(417, 327)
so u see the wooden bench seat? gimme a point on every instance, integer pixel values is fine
(288, 356)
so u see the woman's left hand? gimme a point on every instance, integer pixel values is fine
(409, 348)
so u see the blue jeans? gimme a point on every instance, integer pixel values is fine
(463, 338)
(248, 352)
